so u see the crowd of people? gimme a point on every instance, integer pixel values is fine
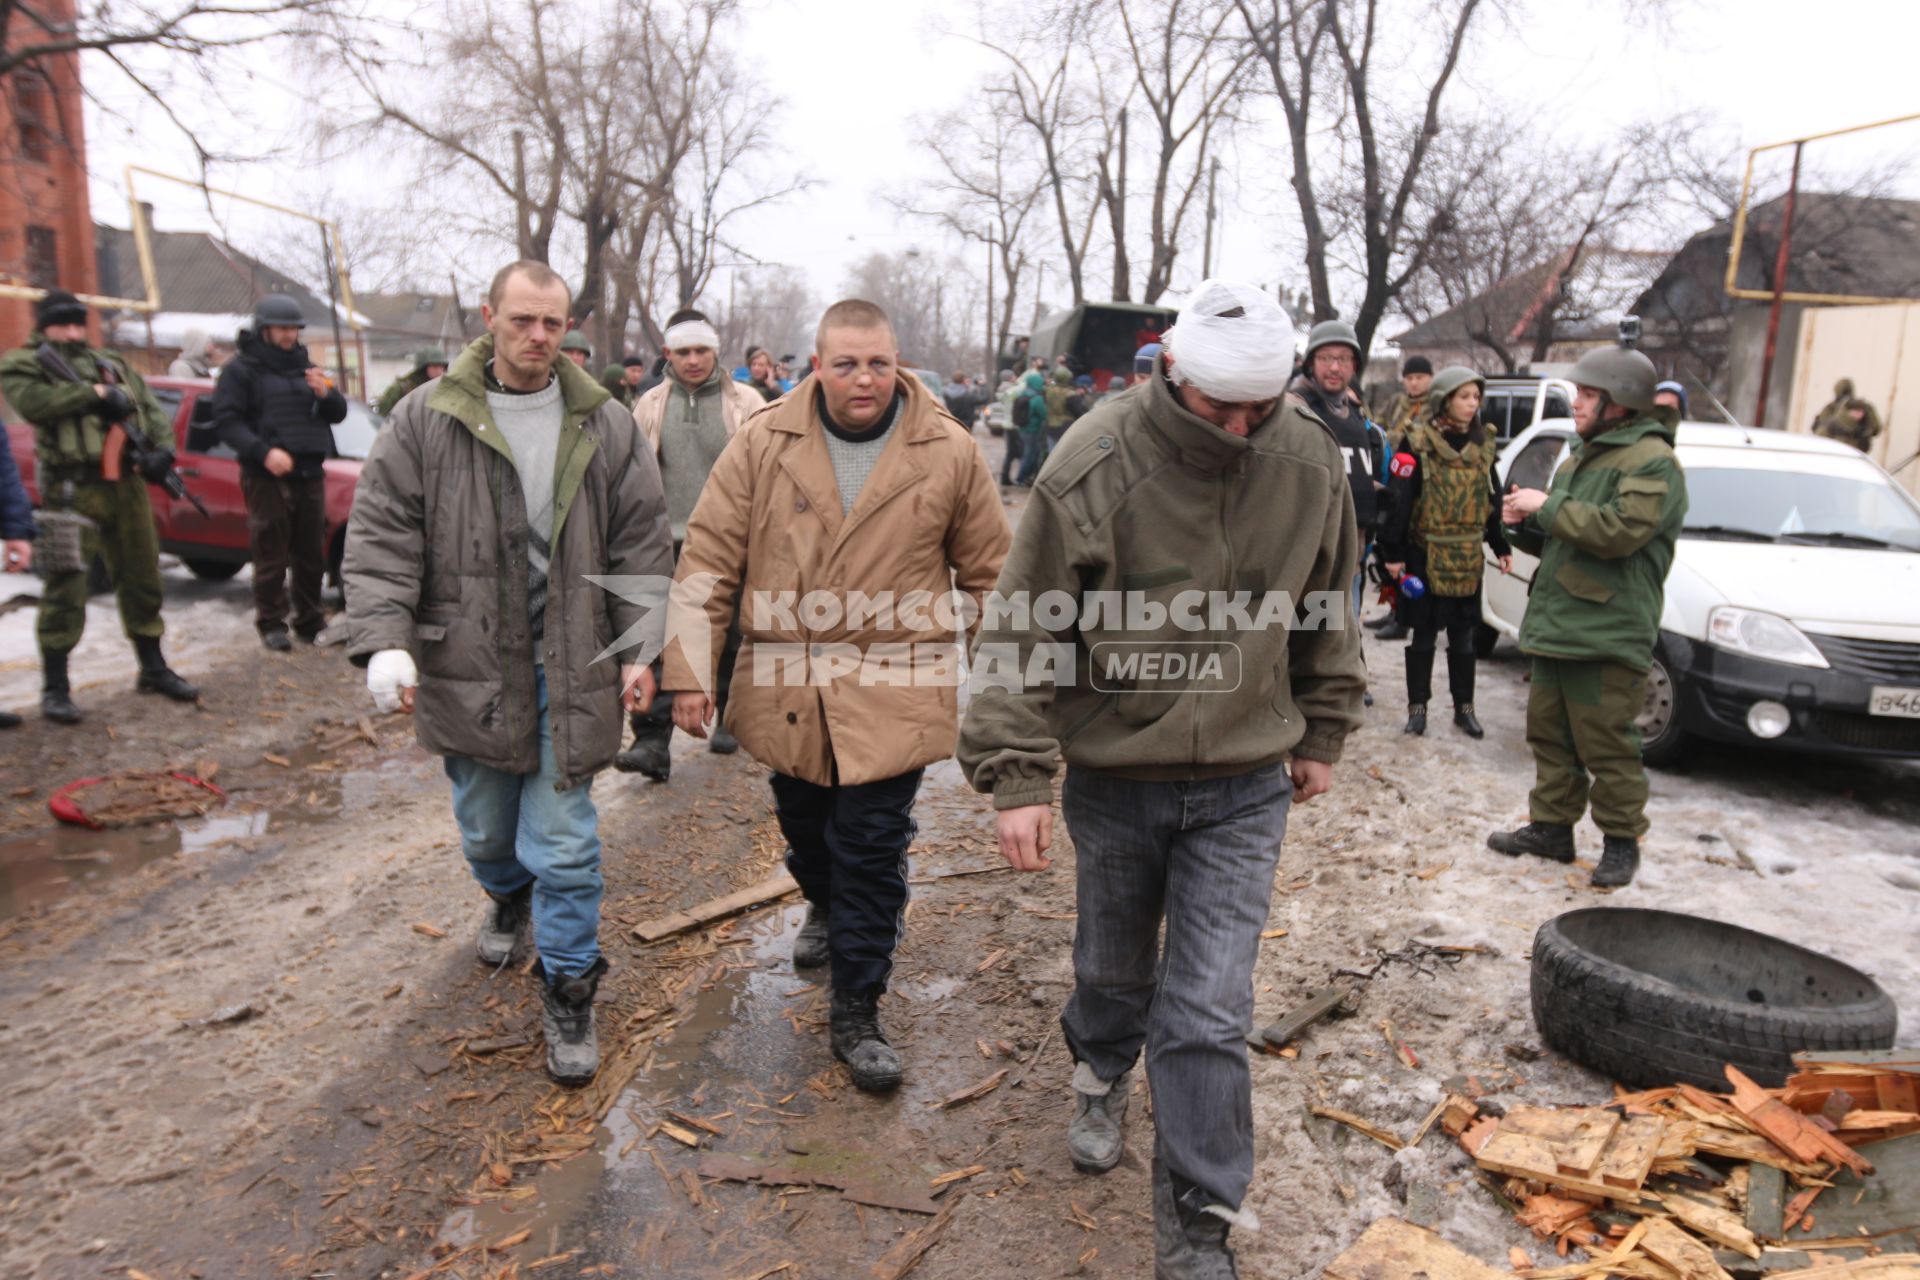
(540, 560)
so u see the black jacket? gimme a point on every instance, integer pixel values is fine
(1362, 444)
(263, 402)
(16, 513)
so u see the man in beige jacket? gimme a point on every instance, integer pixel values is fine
(687, 419)
(839, 523)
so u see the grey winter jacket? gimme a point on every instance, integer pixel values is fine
(436, 563)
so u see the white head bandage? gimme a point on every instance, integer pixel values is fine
(690, 333)
(1233, 342)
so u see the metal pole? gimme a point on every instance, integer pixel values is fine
(333, 310)
(993, 357)
(1779, 288)
(1206, 254)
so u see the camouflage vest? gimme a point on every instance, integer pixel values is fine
(1403, 416)
(1450, 516)
(79, 441)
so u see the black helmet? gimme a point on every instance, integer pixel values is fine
(61, 307)
(1627, 377)
(278, 308)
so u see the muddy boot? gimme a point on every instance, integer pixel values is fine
(156, 676)
(1394, 630)
(506, 924)
(858, 1041)
(646, 756)
(721, 742)
(1464, 720)
(1547, 840)
(1619, 859)
(56, 696)
(275, 638)
(566, 1019)
(1096, 1138)
(8, 720)
(1416, 720)
(810, 949)
(1190, 1243)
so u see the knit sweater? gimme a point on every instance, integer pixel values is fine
(855, 453)
(530, 423)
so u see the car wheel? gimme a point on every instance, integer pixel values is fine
(1662, 741)
(1484, 640)
(213, 570)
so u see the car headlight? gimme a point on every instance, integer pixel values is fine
(1762, 635)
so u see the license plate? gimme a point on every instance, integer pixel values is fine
(1894, 702)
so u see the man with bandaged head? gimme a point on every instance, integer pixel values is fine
(1212, 509)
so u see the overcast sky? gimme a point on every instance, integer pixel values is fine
(855, 73)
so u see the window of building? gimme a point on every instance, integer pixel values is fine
(43, 257)
(36, 114)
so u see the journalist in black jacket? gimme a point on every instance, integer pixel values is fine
(276, 410)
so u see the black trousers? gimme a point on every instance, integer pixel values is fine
(847, 848)
(287, 530)
(1011, 439)
(1428, 617)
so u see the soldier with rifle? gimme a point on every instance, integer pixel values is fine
(100, 438)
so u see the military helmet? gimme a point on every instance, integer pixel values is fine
(428, 356)
(1445, 383)
(1843, 388)
(278, 308)
(1626, 376)
(575, 341)
(1330, 333)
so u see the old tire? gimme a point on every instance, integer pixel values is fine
(1654, 998)
(214, 570)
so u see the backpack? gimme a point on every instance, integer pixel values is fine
(1020, 412)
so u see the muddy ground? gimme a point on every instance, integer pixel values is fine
(380, 1110)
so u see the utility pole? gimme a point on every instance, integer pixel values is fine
(1122, 275)
(522, 223)
(992, 355)
(1206, 254)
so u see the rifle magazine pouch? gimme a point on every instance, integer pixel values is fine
(60, 542)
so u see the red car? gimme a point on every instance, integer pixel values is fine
(216, 548)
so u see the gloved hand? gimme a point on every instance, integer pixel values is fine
(116, 405)
(391, 677)
(155, 465)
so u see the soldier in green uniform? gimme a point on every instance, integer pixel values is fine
(1605, 535)
(576, 347)
(428, 364)
(1848, 419)
(1446, 500)
(70, 426)
(1410, 406)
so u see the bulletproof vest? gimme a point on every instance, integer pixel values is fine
(1450, 515)
(1350, 432)
(78, 441)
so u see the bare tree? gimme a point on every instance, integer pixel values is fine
(929, 299)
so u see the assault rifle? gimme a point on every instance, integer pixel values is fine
(154, 463)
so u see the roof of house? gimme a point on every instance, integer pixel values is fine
(400, 322)
(1511, 309)
(197, 273)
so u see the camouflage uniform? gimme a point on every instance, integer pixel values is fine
(1836, 423)
(70, 436)
(1403, 415)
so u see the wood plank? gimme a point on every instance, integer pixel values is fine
(1716, 1224)
(1581, 1154)
(1792, 1132)
(1316, 1006)
(715, 909)
(906, 1255)
(1630, 1157)
(1668, 1244)
(1392, 1249)
(1360, 1125)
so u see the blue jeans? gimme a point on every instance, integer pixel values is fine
(517, 830)
(1201, 856)
(1033, 452)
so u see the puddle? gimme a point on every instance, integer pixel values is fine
(42, 867)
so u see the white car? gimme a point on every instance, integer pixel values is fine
(1792, 615)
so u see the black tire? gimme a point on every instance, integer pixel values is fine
(1484, 640)
(1651, 998)
(1663, 743)
(213, 570)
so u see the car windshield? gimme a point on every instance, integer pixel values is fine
(1858, 508)
(353, 435)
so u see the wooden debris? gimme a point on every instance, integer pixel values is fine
(880, 1191)
(958, 1175)
(1792, 1132)
(666, 926)
(1392, 1249)
(906, 1255)
(1315, 1007)
(1686, 1256)
(973, 1093)
(429, 930)
(1359, 1125)
(1892, 1266)
(1459, 1114)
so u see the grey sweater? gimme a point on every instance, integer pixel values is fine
(530, 424)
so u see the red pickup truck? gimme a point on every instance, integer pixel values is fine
(216, 547)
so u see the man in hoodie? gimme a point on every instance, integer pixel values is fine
(1033, 434)
(1204, 513)
(687, 421)
(276, 410)
(196, 358)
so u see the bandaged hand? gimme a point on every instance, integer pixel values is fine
(391, 677)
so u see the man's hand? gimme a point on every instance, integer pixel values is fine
(19, 556)
(1026, 834)
(1310, 778)
(278, 462)
(1521, 503)
(636, 687)
(1505, 563)
(318, 381)
(693, 712)
(391, 677)
(1396, 570)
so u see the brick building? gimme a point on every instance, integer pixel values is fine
(46, 220)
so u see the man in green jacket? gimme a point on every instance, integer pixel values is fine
(111, 519)
(428, 363)
(1205, 678)
(1605, 534)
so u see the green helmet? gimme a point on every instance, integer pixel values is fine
(429, 355)
(1626, 377)
(1328, 333)
(613, 373)
(1445, 383)
(1062, 378)
(1843, 388)
(576, 341)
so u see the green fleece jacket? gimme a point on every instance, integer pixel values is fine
(1606, 539)
(1150, 505)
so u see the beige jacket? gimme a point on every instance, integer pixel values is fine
(769, 530)
(738, 402)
